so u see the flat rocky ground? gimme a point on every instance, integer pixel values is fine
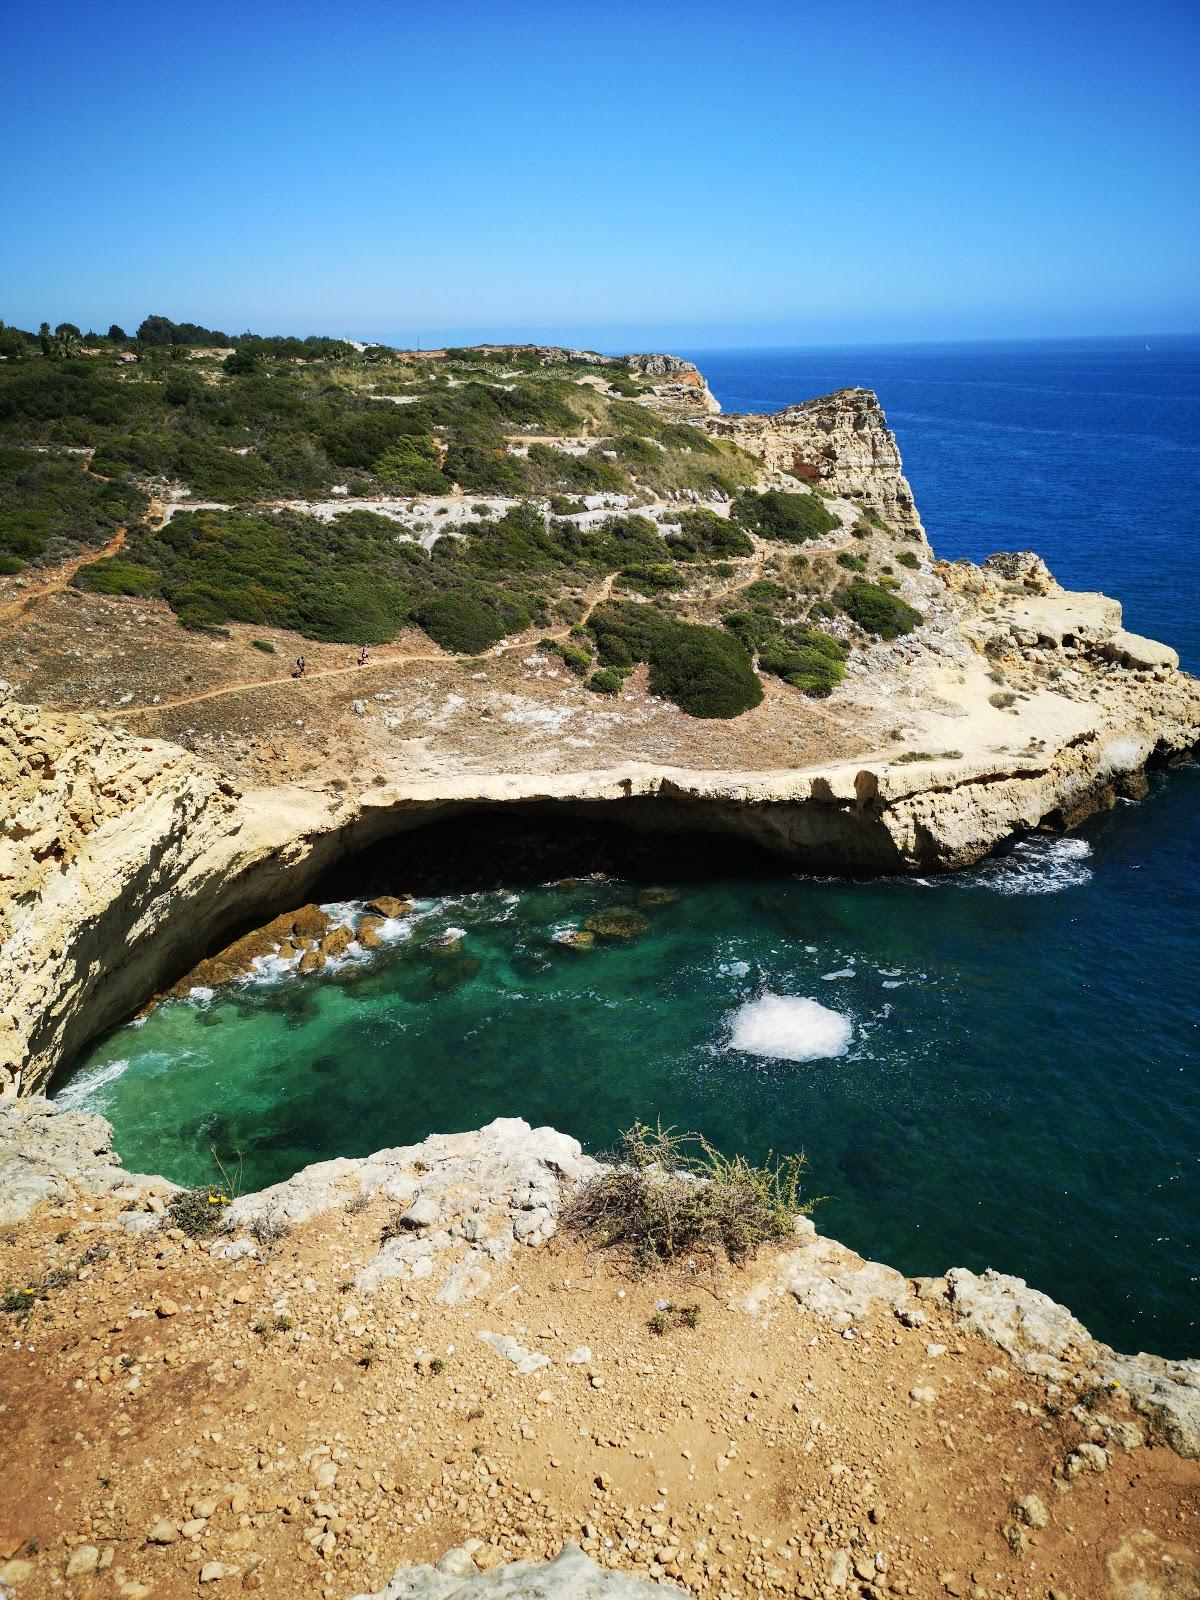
(169, 1419)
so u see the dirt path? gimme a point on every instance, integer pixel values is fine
(59, 578)
(602, 592)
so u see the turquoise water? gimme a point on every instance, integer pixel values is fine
(1017, 1084)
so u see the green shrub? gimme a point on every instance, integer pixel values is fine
(470, 622)
(764, 591)
(790, 517)
(703, 533)
(579, 661)
(410, 466)
(909, 559)
(605, 681)
(876, 610)
(704, 671)
(487, 469)
(806, 658)
(199, 1212)
(265, 645)
(851, 563)
(651, 578)
(664, 1195)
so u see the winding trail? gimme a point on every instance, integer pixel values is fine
(602, 592)
(61, 577)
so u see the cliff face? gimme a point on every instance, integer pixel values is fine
(114, 854)
(840, 442)
(125, 859)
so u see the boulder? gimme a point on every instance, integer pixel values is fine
(387, 905)
(337, 941)
(310, 922)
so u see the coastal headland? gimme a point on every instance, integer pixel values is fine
(549, 580)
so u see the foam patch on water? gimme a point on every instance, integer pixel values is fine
(790, 1028)
(1039, 865)
(84, 1089)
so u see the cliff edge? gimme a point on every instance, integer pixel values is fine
(408, 1359)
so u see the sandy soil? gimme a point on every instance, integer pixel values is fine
(162, 1411)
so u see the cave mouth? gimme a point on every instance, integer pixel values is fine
(520, 846)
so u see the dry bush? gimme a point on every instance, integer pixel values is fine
(664, 1195)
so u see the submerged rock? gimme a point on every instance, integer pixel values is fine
(659, 895)
(618, 922)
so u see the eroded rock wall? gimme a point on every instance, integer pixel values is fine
(841, 443)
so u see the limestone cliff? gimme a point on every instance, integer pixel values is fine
(124, 859)
(840, 442)
(108, 846)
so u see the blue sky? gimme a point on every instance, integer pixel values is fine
(622, 174)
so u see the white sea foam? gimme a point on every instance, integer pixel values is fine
(842, 972)
(1038, 865)
(790, 1028)
(733, 969)
(87, 1085)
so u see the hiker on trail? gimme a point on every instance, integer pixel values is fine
(363, 654)
(300, 666)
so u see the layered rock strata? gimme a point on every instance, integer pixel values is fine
(841, 443)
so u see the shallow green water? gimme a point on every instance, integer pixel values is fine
(1016, 1090)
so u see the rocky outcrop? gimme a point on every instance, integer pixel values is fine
(841, 443)
(463, 1200)
(63, 1160)
(125, 860)
(120, 859)
(570, 1576)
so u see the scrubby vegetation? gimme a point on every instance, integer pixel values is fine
(49, 506)
(280, 420)
(705, 671)
(199, 1212)
(877, 610)
(666, 1195)
(791, 517)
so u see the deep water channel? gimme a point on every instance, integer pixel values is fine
(998, 1068)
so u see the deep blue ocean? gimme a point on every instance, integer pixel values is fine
(999, 1068)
